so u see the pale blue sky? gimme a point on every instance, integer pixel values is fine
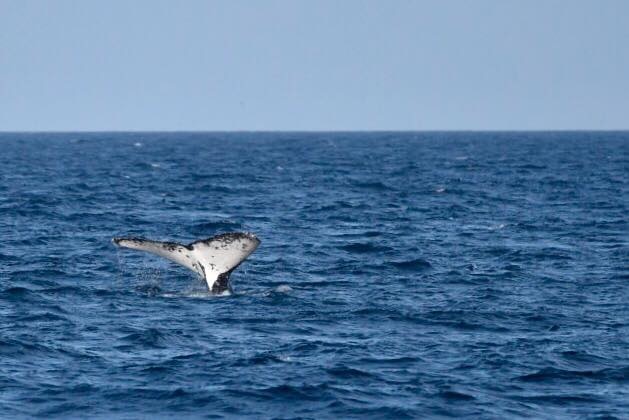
(314, 65)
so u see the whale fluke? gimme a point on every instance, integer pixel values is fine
(214, 258)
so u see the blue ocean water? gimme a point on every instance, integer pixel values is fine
(400, 275)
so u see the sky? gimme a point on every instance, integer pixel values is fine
(314, 65)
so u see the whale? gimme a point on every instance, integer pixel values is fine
(213, 259)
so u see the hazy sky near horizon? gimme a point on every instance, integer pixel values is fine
(314, 65)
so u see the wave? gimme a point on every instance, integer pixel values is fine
(456, 396)
(364, 248)
(212, 228)
(149, 337)
(374, 186)
(418, 264)
(346, 372)
(551, 374)
(15, 292)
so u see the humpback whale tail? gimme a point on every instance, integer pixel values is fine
(214, 258)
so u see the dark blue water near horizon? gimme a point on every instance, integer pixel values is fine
(400, 275)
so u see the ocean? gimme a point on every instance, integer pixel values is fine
(399, 275)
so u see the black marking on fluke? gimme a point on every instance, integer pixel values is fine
(213, 258)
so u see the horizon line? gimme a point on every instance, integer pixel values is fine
(491, 130)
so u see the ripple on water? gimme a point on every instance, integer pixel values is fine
(417, 264)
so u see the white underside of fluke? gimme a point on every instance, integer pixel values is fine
(213, 259)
